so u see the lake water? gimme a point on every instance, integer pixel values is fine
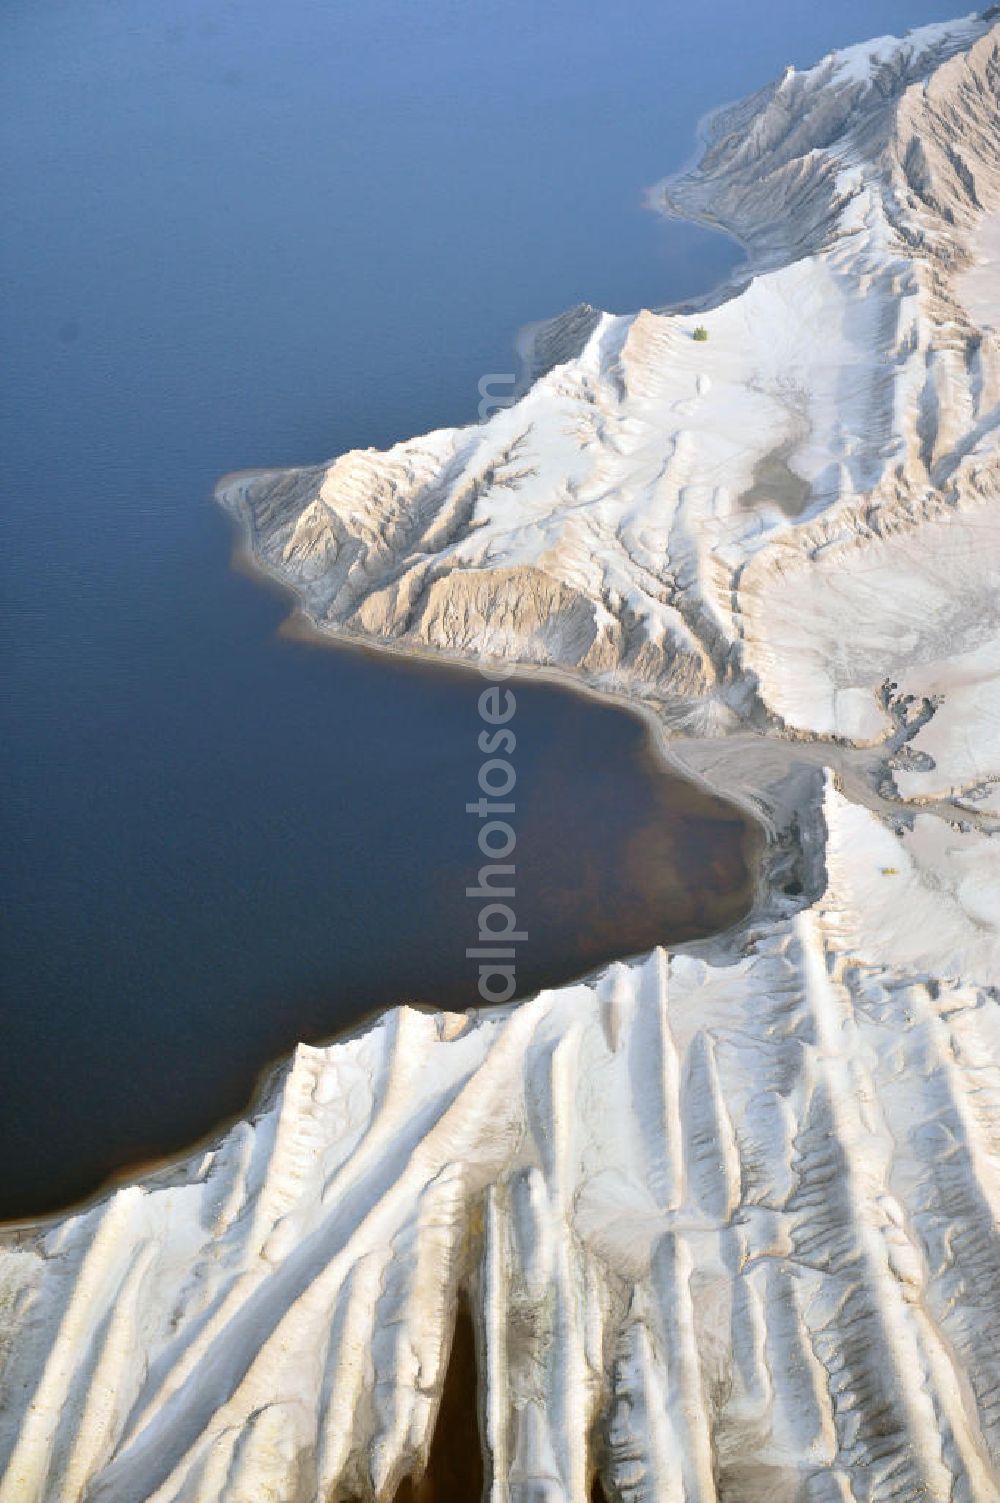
(248, 234)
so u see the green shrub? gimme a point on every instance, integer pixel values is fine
(701, 333)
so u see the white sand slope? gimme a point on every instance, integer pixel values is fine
(728, 1218)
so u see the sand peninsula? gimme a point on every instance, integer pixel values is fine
(726, 1219)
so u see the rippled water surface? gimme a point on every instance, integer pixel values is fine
(249, 234)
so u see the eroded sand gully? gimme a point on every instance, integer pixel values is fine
(725, 1218)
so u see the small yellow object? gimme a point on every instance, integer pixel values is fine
(701, 333)
(890, 871)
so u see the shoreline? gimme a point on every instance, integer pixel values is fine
(300, 627)
(159, 1172)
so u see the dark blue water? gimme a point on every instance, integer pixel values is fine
(250, 234)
